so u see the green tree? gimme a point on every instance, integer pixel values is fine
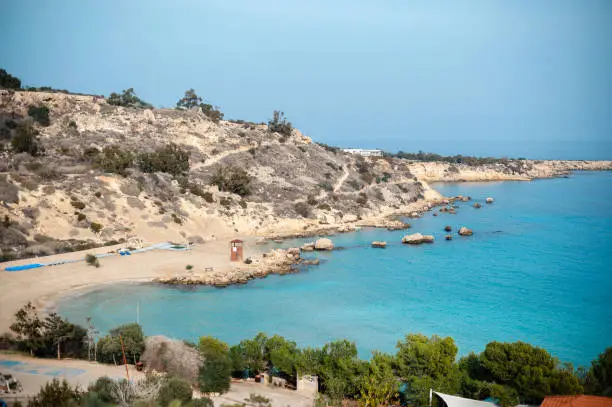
(599, 377)
(425, 363)
(529, 370)
(8, 81)
(28, 327)
(109, 347)
(59, 333)
(127, 98)
(341, 369)
(282, 355)
(26, 140)
(279, 124)
(379, 387)
(190, 100)
(215, 373)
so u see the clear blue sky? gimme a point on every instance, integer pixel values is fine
(482, 77)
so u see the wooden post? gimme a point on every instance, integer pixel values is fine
(127, 373)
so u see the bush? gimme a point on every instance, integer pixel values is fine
(175, 389)
(80, 216)
(279, 124)
(176, 219)
(326, 186)
(203, 402)
(232, 179)
(213, 113)
(26, 140)
(115, 160)
(311, 200)
(362, 199)
(127, 98)
(208, 197)
(77, 204)
(303, 209)
(72, 124)
(324, 207)
(92, 260)
(57, 394)
(188, 267)
(40, 114)
(8, 81)
(170, 159)
(96, 227)
(103, 387)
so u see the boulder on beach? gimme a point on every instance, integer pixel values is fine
(447, 228)
(448, 237)
(324, 244)
(477, 205)
(378, 244)
(489, 200)
(349, 217)
(417, 238)
(465, 231)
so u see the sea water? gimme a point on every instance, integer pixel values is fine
(538, 269)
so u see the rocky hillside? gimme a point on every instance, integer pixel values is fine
(97, 173)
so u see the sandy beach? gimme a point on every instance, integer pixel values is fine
(44, 285)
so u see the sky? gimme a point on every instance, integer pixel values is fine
(516, 78)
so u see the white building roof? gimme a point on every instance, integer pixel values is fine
(456, 401)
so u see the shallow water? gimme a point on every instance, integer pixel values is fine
(538, 269)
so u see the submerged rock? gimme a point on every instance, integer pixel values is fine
(308, 247)
(489, 200)
(477, 205)
(448, 237)
(378, 244)
(447, 228)
(324, 244)
(465, 231)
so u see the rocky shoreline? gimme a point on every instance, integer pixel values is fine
(279, 261)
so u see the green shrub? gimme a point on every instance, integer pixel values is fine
(103, 387)
(232, 179)
(115, 160)
(97, 194)
(170, 159)
(40, 114)
(177, 219)
(355, 184)
(189, 267)
(324, 207)
(57, 394)
(243, 204)
(212, 112)
(81, 216)
(362, 199)
(303, 209)
(208, 197)
(203, 402)
(326, 186)
(127, 98)
(77, 204)
(175, 389)
(96, 227)
(72, 124)
(279, 124)
(26, 140)
(92, 260)
(225, 202)
(8, 81)
(311, 200)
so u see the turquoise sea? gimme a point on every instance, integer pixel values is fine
(538, 269)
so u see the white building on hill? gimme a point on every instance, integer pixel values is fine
(363, 153)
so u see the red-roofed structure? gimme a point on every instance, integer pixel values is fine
(577, 401)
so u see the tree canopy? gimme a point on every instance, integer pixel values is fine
(8, 81)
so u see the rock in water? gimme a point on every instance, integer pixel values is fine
(308, 247)
(378, 244)
(447, 228)
(465, 231)
(489, 200)
(324, 244)
(449, 237)
(477, 205)
(417, 238)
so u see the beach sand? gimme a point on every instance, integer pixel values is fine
(42, 286)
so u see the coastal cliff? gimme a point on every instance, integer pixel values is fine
(91, 173)
(504, 170)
